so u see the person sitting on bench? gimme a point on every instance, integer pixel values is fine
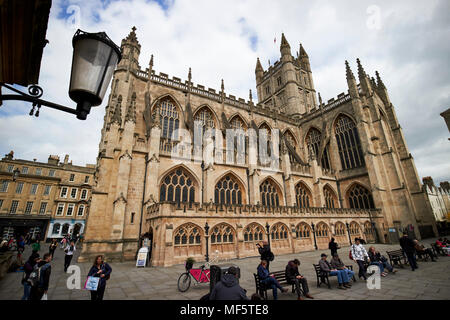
(293, 276)
(269, 279)
(336, 263)
(377, 259)
(341, 274)
(420, 249)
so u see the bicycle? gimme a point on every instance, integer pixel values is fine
(201, 275)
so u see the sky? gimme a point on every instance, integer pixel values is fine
(408, 42)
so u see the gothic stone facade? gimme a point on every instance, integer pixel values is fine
(344, 167)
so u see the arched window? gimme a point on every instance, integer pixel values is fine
(302, 196)
(170, 119)
(228, 191)
(322, 230)
(303, 230)
(290, 138)
(313, 141)
(187, 234)
(354, 229)
(330, 197)
(254, 232)
(222, 233)
(65, 229)
(368, 229)
(177, 186)
(339, 229)
(269, 194)
(266, 133)
(56, 228)
(348, 142)
(238, 124)
(206, 117)
(360, 198)
(279, 231)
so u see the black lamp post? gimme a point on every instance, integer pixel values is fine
(268, 232)
(95, 57)
(16, 173)
(348, 232)
(314, 234)
(206, 237)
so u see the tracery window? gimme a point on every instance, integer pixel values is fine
(348, 142)
(354, 228)
(329, 197)
(254, 232)
(238, 124)
(177, 187)
(170, 119)
(187, 234)
(206, 117)
(265, 132)
(322, 230)
(227, 191)
(269, 194)
(290, 138)
(279, 232)
(303, 231)
(368, 229)
(313, 140)
(360, 198)
(222, 233)
(339, 229)
(302, 195)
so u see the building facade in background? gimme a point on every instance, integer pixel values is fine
(49, 200)
(344, 171)
(439, 198)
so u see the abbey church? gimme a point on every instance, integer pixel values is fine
(344, 170)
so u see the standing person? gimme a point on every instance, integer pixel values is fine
(293, 276)
(28, 268)
(52, 247)
(63, 242)
(228, 287)
(69, 250)
(269, 279)
(408, 247)
(43, 270)
(333, 246)
(36, 246)
(21, 244)
(359, 254)
(342, 275)
(266, 253)
(102, 270)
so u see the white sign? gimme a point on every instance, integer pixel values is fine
(142, 257)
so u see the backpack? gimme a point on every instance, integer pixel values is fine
(35, 276)
(350, 254)
(270, 256)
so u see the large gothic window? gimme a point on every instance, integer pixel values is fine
(360, 198)
(269, 194)
(279, 231)
(187, 234)
(265, 132)
(330, 197)
(238, 124)
(290, 138)
(313, 141)
(228, 191)
(302, 230)
(322, 230)
(354, 229)
(170, 119)
(254, 232)
(339, 229)
(302, 196)
(222, 233)
(177, 186)
(348, 142)
(206, 117)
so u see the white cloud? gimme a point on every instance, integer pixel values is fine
(215, 39)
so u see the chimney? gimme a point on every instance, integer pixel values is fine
(53, 159)
(66, 159)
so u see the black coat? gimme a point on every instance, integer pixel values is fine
(291, 272)
(228, 289)
(265, 252)
(407, 244)
(106, 271)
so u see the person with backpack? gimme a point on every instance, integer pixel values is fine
(69, 250)
(359, 254)
(333, 246)
(40, 278)
(102, 270)
(266, 253)
(28, 268)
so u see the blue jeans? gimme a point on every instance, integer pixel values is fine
(350, 274)
(342, 276)
(272, 283)
(26, 291)
(379, 264)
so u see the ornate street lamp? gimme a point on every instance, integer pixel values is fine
(314, 233)
(206, 237)
(268, 232)
(95, 57)
(16, 173)
(348, 232)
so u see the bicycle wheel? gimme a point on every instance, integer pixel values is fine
(184, 282)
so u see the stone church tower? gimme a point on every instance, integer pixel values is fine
(344, 171)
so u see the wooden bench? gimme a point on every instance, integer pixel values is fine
(438, 250)
(280, 276)
(323, 276)
(397, 258)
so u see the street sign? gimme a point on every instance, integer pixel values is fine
(142, 257)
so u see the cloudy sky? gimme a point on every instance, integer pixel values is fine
(408, 42)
